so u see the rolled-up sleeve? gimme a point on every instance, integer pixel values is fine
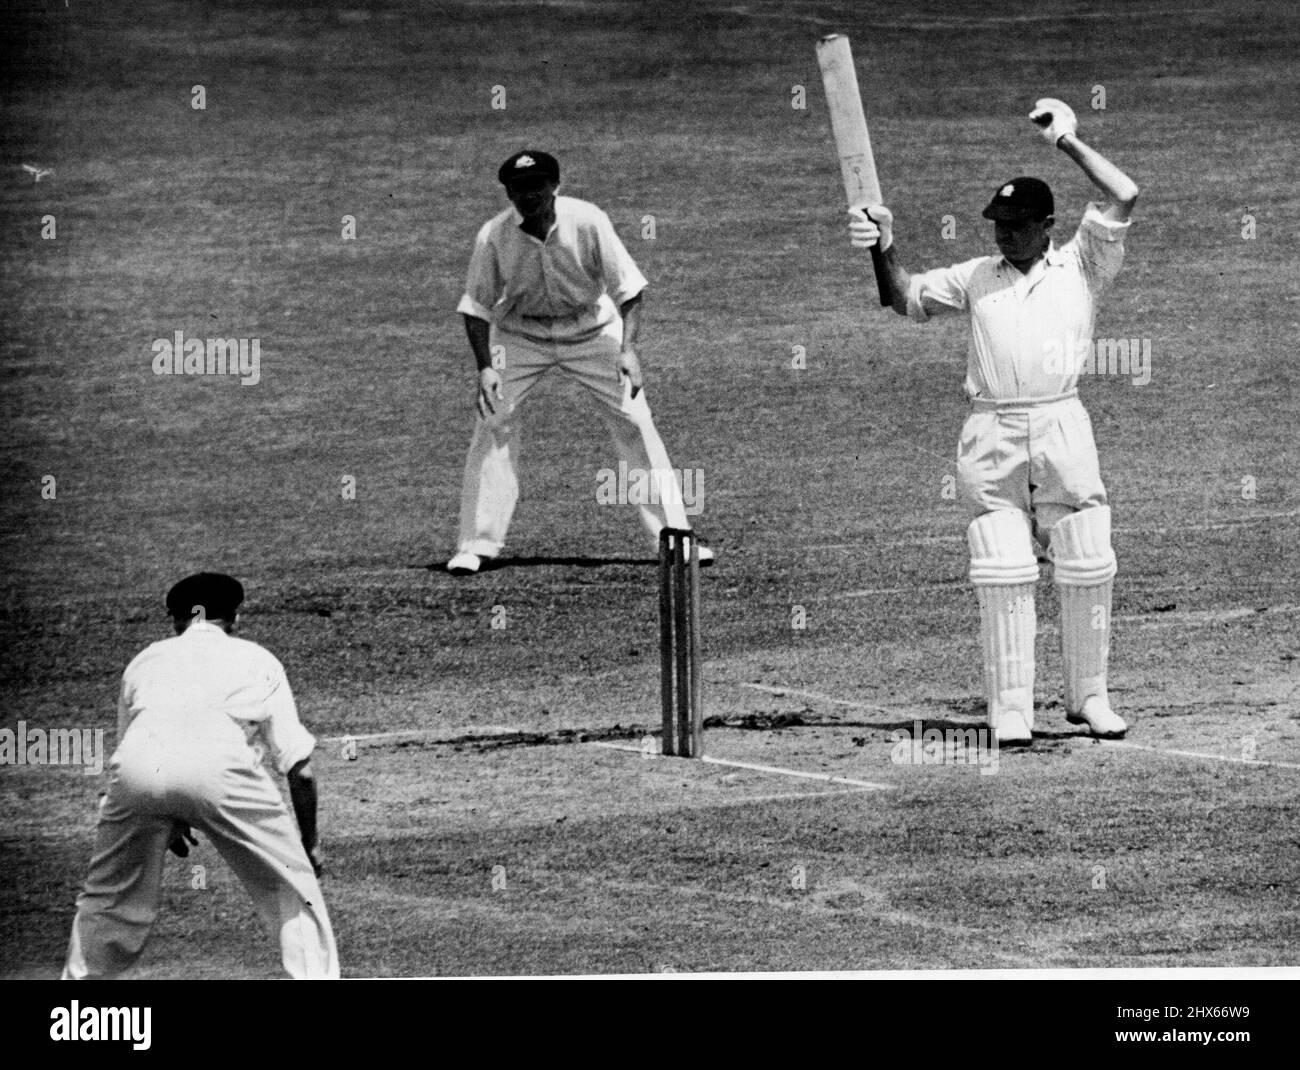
(483, 284)
(1099, 245)
(940, 291)
(623, 279)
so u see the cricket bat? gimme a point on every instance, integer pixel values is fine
(852, 142)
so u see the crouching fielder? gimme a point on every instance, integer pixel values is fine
(196, 713)
(1027, 462)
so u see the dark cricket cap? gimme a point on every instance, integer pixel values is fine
(1021, 198)
(530, 163)
(219, 595)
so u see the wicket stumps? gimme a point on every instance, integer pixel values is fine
(679, 643)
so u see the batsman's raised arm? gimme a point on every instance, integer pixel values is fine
(874, 226)
(1060, 127)
(1121, 191)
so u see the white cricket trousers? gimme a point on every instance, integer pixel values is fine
(491, 486)
(1038, 457)
(237, 806)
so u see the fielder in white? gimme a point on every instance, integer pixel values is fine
(1027, 462)
(551, 286)
(195, 715)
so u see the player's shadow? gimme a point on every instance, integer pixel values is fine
(543, 560)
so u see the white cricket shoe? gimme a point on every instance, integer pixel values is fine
(1012, 729)
(1101, 720)
(464, 564)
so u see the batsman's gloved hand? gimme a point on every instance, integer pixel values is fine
(871, 226)
(1055, 118)
(182, 840)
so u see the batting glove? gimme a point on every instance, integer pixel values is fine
(1055, 117)
(872, 226)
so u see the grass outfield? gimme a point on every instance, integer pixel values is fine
(824, 485)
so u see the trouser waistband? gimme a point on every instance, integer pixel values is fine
(1003, 404)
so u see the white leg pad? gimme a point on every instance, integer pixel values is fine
(1004, 570)
(1084, 573)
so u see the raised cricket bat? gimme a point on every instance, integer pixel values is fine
(852, 142)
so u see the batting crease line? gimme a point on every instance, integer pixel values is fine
(1197, 754)
(780, 770)
(1205, 616)
(790, 795)
(828, 778)
(818, 695)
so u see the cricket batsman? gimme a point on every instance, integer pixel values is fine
(1027, 463)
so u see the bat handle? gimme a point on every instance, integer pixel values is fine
(882, 276)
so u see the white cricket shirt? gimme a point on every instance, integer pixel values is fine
(564, 289)
(204, 690)
(1030, 333)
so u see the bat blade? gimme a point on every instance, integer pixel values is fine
(852, 139)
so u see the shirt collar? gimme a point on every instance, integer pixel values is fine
(204, 627)
(1052, 258)
(519, 219)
